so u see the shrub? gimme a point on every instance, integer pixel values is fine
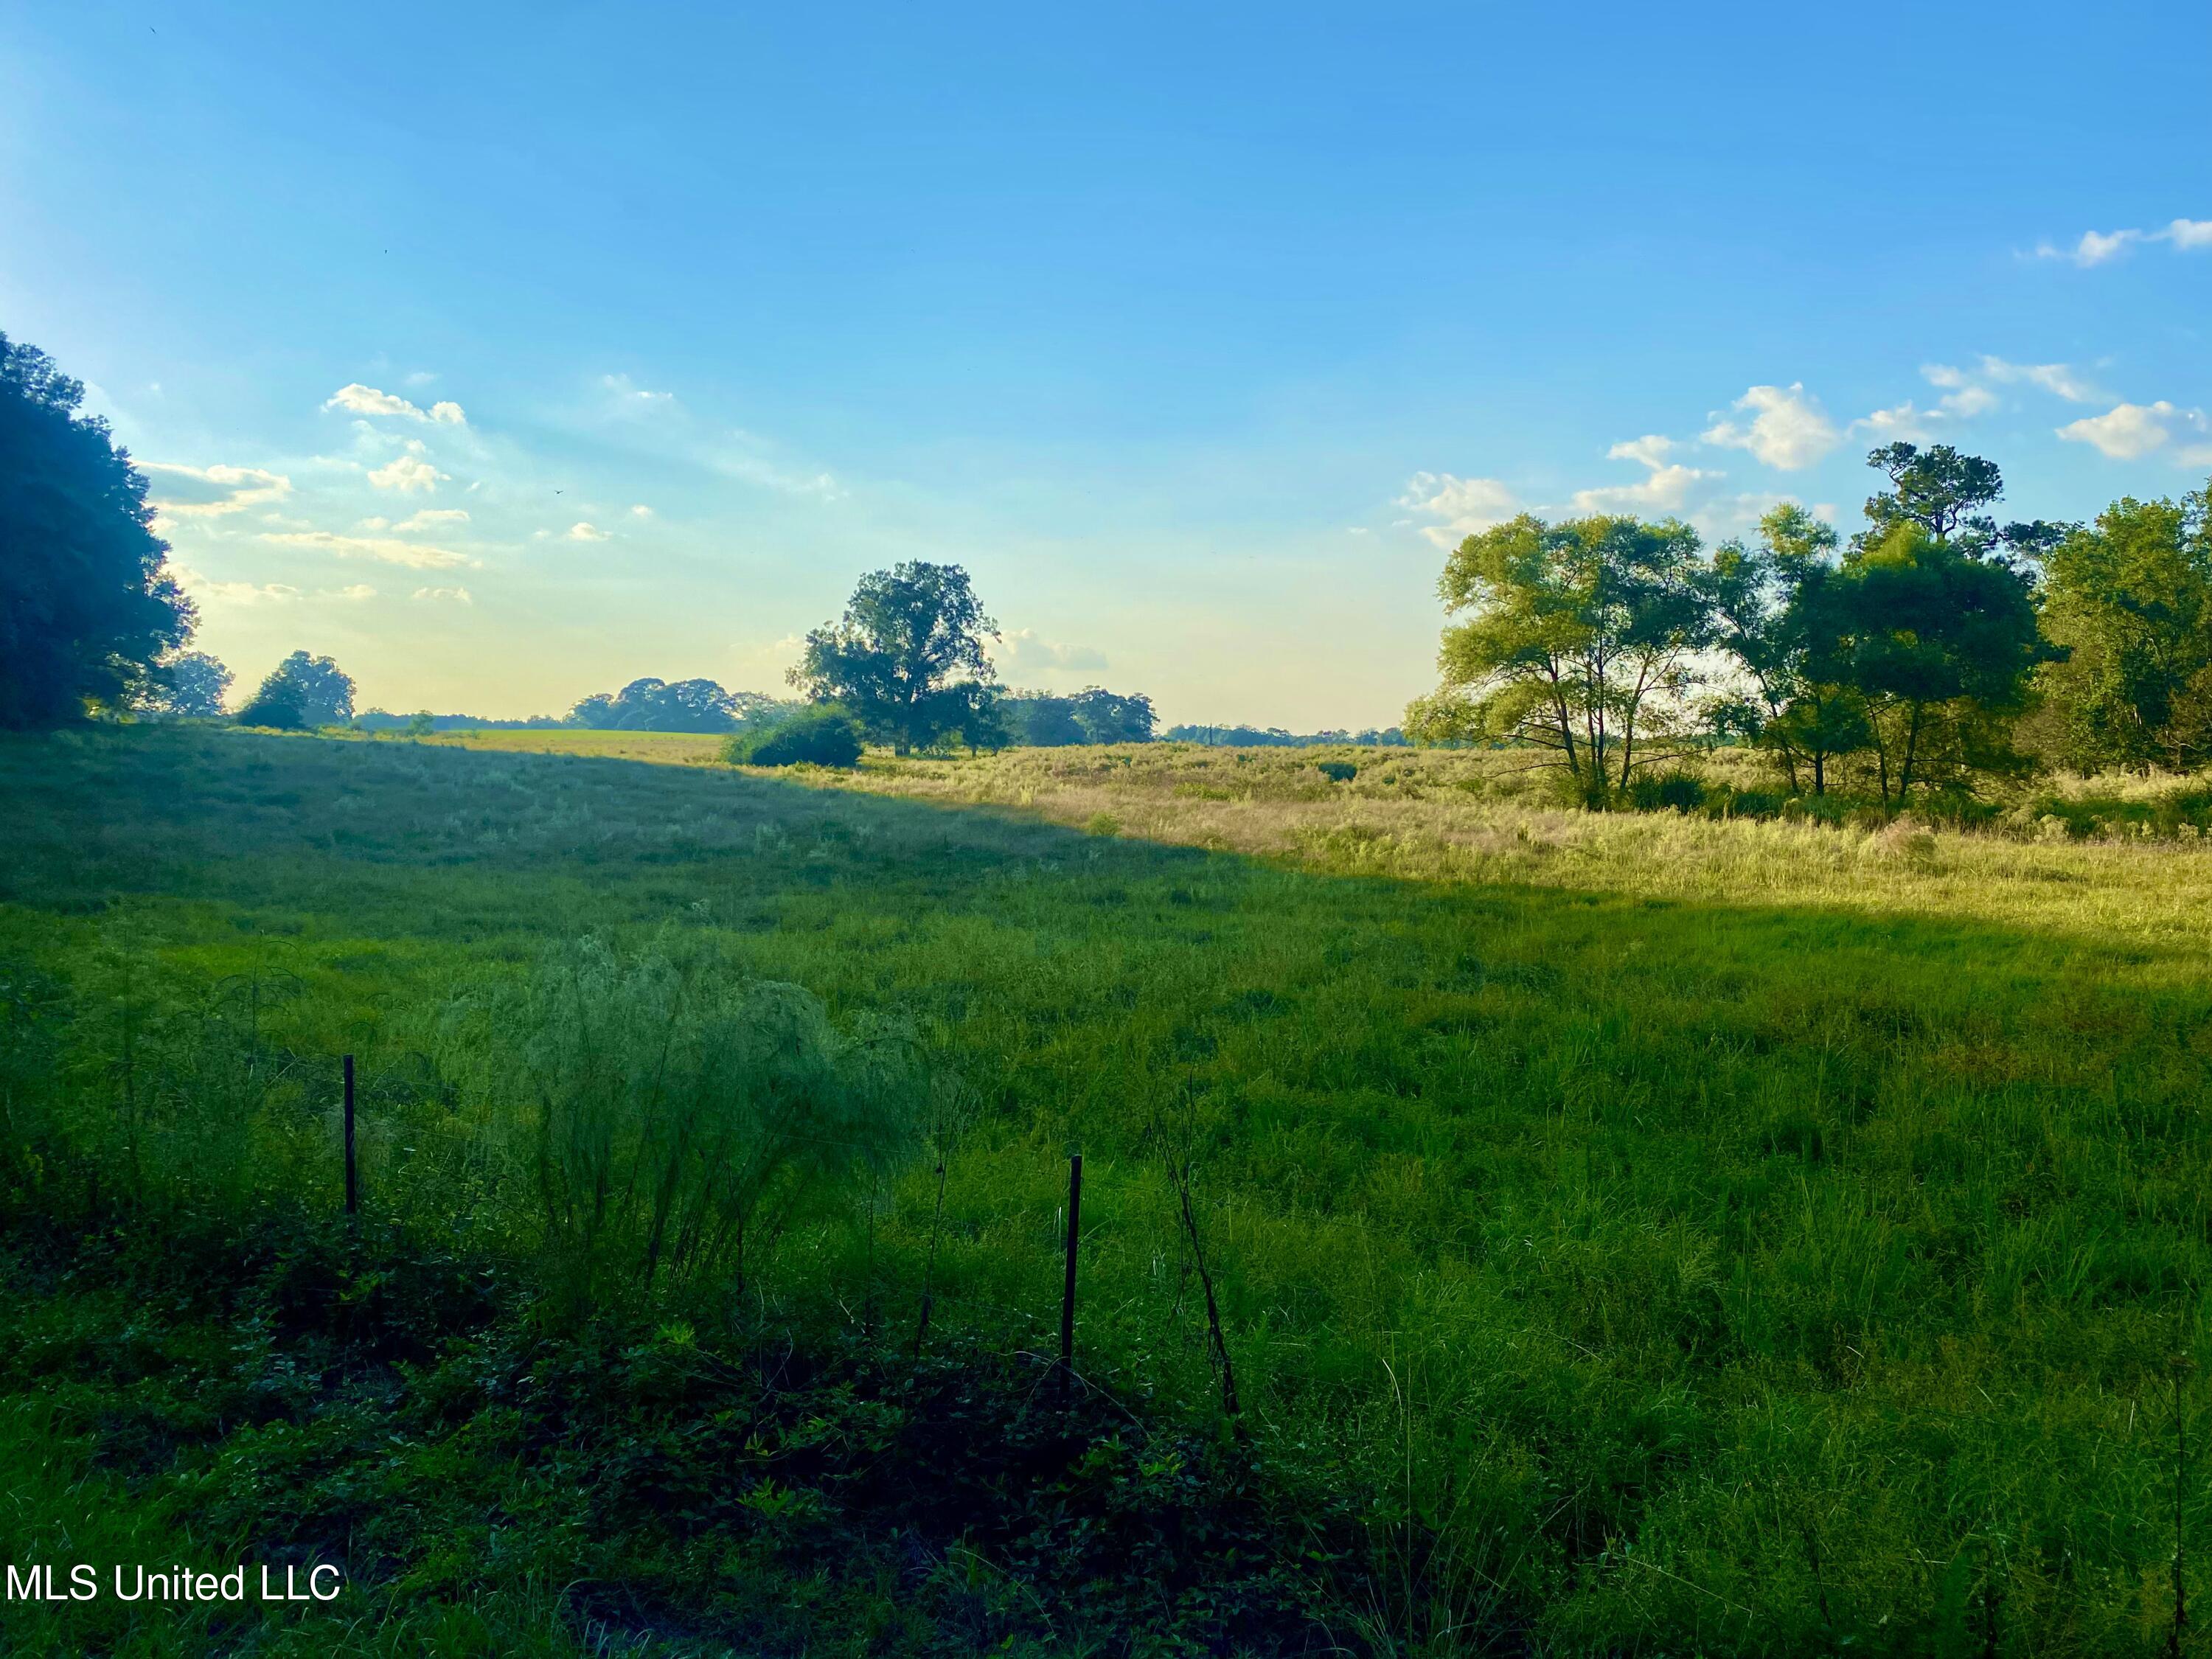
(276, 708)
(1679, 792)
(815, 736)
(1337, 771)
(683, 1112)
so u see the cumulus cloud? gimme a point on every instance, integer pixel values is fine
(641, 511)
(209, 592)
(432, 517)
(1665, 486)
(360, 399)
(581, 532)
(1788, 429)
(2097, 248)
(208, 492)
(2127, 432)
(407, 474)
(416, 556)
(1027, 651)
(1464, 507)
(1968, 392)
(449, 595)
(1906, 422)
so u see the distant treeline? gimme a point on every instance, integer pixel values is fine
(1273, 736)
(376, 719)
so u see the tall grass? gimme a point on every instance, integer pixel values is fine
(1672, 1234)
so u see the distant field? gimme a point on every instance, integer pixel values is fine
(1673, 1235)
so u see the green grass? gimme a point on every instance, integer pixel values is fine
(1670, 1236)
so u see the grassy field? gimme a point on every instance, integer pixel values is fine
(1632, 1233)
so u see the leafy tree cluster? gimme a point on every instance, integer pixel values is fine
(301, 694)
(1903, 661)
(86, 603)
(654, 705)
(1042, 720)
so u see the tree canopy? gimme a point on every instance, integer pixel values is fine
(87, 604)
(656, 705)
(1578, 640)
(189, 686)
(908, 660)
(1044, 719)
(2129, 598)
(302, 691)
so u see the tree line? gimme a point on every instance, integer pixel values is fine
(1936, 649)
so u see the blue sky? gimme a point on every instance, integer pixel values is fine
(1195, 333)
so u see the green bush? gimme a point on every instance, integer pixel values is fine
(1679, 792)
(816, 736)
(1337, 771)
(683, 1112)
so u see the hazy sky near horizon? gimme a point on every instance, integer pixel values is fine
(507, 352)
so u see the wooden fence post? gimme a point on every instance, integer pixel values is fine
(353, 1188)
(1067, 1288)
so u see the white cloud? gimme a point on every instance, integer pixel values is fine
(241, 486)
(207, 592)
(587, 532)
(1788, 430)
(407, 474)
(368, 400)
(430, 518)
(1966, 392)
(748, 466)
(416, 556)
(1664, 489)
(449, 595)
(1904, 421)
(2096, 247)
(641, 511)
(2127, 432)
(630, 398)
(1466, 506)
(1028, 652)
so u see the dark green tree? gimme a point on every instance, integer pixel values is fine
(1580, 641)
(301, 692)
(1753, 590)
(1939, 645)
(87, 605)
(2130, 599)
(1943, 492)
(189, 686)
(907, 658)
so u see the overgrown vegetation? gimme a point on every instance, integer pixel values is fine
(1626, 1232)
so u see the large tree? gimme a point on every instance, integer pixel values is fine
(189, 686)
(1944, 493)
(301, 692)
(907, 658)
(86, 604)
(1939, 645)
(2130, 599)
(1579, 640)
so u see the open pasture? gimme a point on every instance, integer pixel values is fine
(1664, 1235)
